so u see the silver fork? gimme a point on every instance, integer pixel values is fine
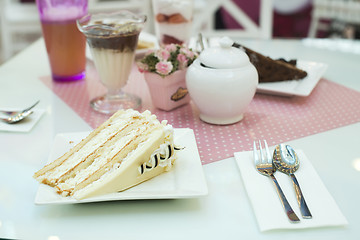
(265, 166)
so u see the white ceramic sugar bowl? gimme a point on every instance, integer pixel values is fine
(222, 82)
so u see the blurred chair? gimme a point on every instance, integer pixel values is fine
(343, 10)
(204, 20)
(18, 21)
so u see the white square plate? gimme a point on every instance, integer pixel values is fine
(185, 180)
(301, 87)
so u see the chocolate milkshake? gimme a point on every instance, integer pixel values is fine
(113, 51)
(113, 39)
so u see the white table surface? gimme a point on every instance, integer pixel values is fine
(224, 214)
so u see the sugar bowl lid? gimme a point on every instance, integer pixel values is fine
(224, 56)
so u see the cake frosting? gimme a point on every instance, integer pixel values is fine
(127, 149)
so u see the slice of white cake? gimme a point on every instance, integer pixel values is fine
(127, 149)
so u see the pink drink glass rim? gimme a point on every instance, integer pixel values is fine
(55, 10)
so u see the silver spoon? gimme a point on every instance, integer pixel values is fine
(286, 160)
(14, 117)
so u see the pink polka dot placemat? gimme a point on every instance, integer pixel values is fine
(276, 119)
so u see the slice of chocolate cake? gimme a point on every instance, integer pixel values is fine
(271, 70)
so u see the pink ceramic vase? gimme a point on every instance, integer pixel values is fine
(168, 92)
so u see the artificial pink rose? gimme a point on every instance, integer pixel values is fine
(142, 67)
(164, 60)
(182, 61)
(170, 47)
(187, 52)
(163, 68)
(162, 54)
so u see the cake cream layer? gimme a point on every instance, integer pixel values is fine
(126, 175)
(113, 150)
(40, 175)
(118, 149)
(55, 171)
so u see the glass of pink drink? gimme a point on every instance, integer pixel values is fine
(65, 44)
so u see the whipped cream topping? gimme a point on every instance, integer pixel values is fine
(161, 157)
(167, 7)
(90, 146)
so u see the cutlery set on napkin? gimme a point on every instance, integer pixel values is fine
(269, 202)
(19, 120)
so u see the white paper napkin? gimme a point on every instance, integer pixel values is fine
(266, 203)
(25, 125)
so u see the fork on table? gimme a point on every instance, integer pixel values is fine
(264, 165)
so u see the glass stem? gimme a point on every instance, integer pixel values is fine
(112, 93)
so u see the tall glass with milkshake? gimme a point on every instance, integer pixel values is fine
(65, 44)
(113, 39)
